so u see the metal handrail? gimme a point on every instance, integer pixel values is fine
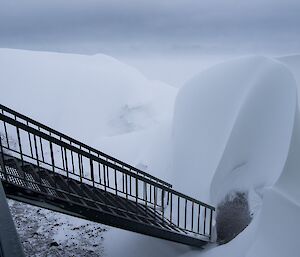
(172, 206)
(80, 144)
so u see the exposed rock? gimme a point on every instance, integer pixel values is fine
(233, 216)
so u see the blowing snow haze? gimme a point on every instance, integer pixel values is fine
(153, 27)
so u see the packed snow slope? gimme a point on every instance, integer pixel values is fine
(96, 99)
(233, 123)
(245, 132)
(236, 129)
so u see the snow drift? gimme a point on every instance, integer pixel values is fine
(233, 131)
(235, 128)
(89, 97)
(240, 121)
(241, 112)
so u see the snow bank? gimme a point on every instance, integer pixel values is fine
(89, 97)
(98, 100)
(259, 140)
(232, 131)
(232, 126)
(235, 128)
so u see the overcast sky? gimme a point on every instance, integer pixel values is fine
(175, 26)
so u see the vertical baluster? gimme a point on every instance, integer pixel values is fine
(136, 190)
(41, 146)
(6, 134)
(79, 166)
(123, 181)
(99, 169)
(130, 186)
(104, 177)
(198, 226)
(29, 139)
(150, 193)
(82, 167)
(107, 174)
(52, 157)
(146, 198)
(155, 200)
(204, 228)
(171, 207)
(52, 162)
(178, 211)
(72, 159)
(163, 205)
(20, 146)
(116, 182)
(192, 226)
(168, 198)
(210, 223)
(144, 192)
(185, 210)
(126, 182)
(37, 158)
(92, 172)
(62, 158)
(66, 161)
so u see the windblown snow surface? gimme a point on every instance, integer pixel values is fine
(234, 128)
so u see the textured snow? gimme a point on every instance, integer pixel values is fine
(46, 233)
(89, 97)
(259, 152)
(235, 127)
(98, 100)
(224, 127)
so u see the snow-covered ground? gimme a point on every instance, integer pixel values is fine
(46, 233)
(233, 128)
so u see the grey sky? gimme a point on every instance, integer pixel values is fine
(179, 26)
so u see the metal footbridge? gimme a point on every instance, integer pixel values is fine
(43, 167)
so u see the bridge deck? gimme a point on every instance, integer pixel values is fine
(42, 167)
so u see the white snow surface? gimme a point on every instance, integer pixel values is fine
(259, 154)
(235, 127)
(88, 97)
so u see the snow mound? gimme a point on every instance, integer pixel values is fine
(232, 126)
(234, 130)
(88, 97)
(243, 114)
(258, 143)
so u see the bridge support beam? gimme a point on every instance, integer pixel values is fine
(10, 245)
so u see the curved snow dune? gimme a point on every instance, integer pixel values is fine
(260, 150)
(259, 140)
(232, 127)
